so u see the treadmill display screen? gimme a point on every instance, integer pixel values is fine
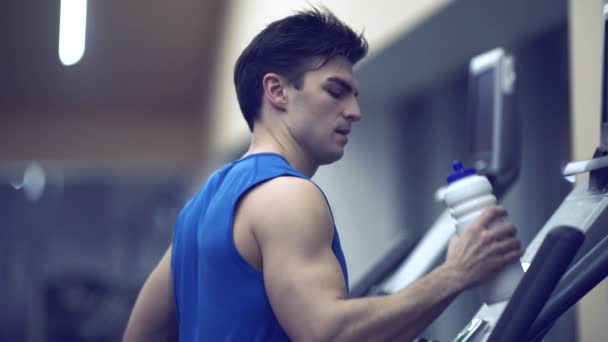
(604, 74)
(483, 114)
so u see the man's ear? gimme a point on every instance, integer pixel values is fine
(274, 90)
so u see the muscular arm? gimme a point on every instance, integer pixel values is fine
(294, 229)
(153, 317)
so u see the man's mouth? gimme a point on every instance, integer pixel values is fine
(344, 131)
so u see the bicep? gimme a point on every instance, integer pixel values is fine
(153, 316)
(301, 273)
(301, 286)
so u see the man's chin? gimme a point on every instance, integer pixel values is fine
(332, 157)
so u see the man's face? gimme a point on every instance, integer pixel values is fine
(321, 112)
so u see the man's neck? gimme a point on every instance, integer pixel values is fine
(263, 140)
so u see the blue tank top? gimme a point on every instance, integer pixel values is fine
(218, 294)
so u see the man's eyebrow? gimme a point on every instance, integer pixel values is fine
(344, 84)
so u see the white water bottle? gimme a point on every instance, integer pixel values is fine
(466, 196)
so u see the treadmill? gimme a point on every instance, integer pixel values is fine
(545, 293)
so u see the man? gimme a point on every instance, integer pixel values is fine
(255, 254)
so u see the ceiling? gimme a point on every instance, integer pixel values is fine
(151, 57)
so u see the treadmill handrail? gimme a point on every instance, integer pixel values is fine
(589, 271)
(553, 257)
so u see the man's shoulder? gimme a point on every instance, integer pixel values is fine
(287, 190)
(286, 203)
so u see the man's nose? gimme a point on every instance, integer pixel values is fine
(353, 111)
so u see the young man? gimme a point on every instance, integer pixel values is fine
(255, 254)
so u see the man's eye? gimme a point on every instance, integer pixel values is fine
(334, 94)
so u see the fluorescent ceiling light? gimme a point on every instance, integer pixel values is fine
(72, 30)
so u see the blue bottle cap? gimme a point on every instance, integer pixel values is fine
(460, 172)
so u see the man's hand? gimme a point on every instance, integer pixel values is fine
(481, 251)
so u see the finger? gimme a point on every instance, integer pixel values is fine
(491, 214)
(498, 260)
(506, 246)
(503, 231)
(496, 263)
(511, 257)
(453, 239)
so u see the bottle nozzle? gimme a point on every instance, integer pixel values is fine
(457, 165)
(460, 171)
